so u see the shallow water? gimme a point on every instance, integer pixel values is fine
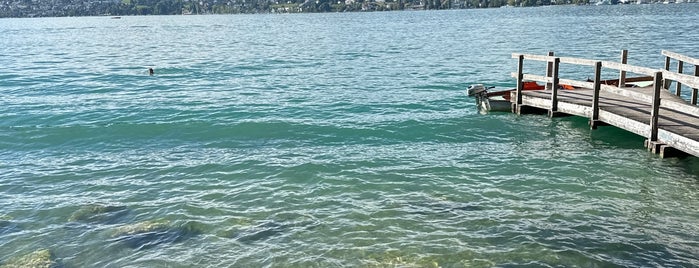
(321, 140)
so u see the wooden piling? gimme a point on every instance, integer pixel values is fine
(678, 85)
(695, 90)
(594, 119)
(655, 108)
(549, 71)
(554, 88)
(517, 107)
(622, 73)
(666, 83)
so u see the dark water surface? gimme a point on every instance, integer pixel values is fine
(325, 140)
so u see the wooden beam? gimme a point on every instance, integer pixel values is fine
(620, 121)
(578, 61)
(679, 142)
(576, 83)
(532, 57)
(680, 107)
(538, 78)
(629, 68)
(688, 80)
(680, 57)
(627, 93)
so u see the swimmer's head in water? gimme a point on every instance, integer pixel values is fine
(150, 71)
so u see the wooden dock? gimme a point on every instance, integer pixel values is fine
(669, 123)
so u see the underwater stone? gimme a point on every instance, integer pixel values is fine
(262, 232)
(151, 233)
(98, 214)
(142, 227)
(37, 259)
(6, 224)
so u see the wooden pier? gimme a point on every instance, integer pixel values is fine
(669, 123)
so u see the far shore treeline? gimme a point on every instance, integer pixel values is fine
(61, 8)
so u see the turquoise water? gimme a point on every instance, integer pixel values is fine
(329, 140)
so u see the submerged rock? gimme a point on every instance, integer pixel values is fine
(96, 213)
(262, 232)
(142, 227)
(441, 207)
(147, 234)
(269, 229)
(37, 259)
(7, 225)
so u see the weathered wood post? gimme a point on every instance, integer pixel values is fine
(595, 95)
(549, 70)
(678, 85)
(694, 90)
(516, 107)
(554, 87)
(666, 83)
(653, 138)
(622, 73)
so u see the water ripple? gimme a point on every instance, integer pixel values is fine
(289, 141)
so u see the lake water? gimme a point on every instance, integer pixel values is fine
(330, 140)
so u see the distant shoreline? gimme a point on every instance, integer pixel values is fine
(117, 8)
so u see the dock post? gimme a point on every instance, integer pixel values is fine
(678, 85)
(516, 108)
(622, 73)
(694, 90)
(554, 87)
(549, 70)
(594, 120)
(656, 108)
(666, 83)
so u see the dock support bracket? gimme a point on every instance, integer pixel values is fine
(663, 150)
(668, 151)
(653, 146)
(597, 123)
